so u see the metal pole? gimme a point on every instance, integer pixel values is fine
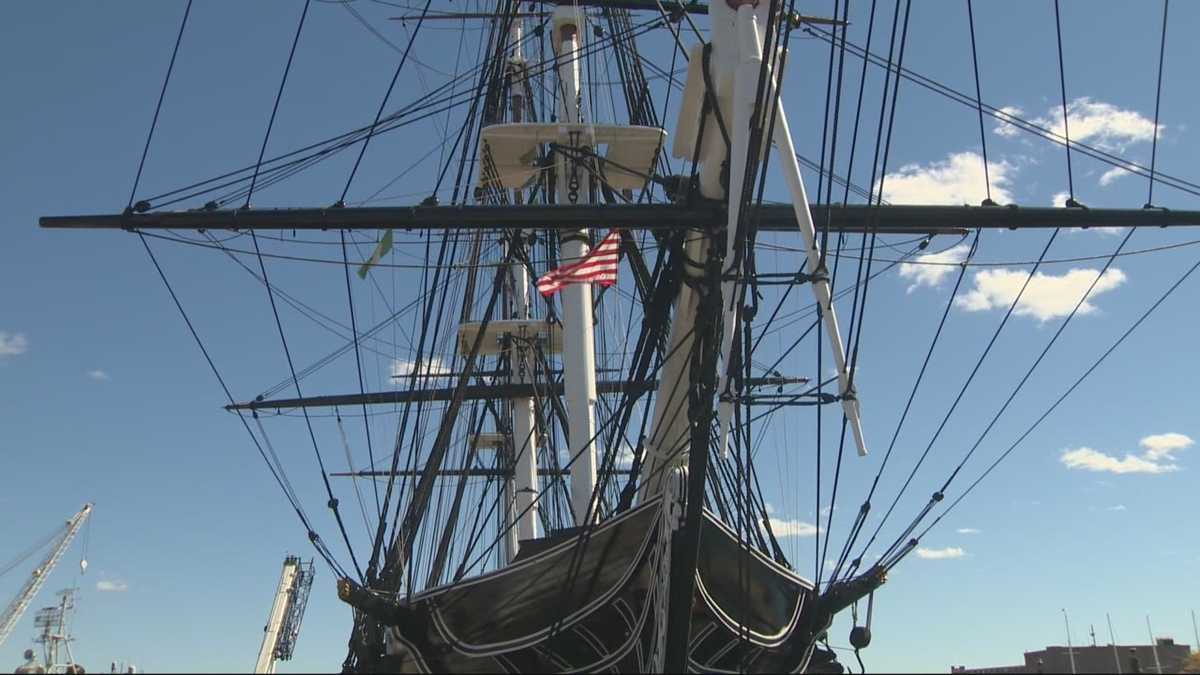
(1195, 633)
(1153, 646)
(1113, 641)
(1070, 649)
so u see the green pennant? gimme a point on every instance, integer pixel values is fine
(384, 247)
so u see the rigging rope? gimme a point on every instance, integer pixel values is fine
(1062, 81)
(1162, 48)
(1065, 394)
(276, 473)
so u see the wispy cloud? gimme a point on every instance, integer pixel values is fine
(431, 366)
(783, 527)
(98, 374)
(1102, 124)
(12, 344)
(1048, 296)
(1111, 175)
(932, 268)
(111, 586)
(968, 530)
(958, 179)
(1116, 507)
(940, 553)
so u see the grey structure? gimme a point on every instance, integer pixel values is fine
(1099, 659)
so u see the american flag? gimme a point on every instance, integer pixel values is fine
(599, 265)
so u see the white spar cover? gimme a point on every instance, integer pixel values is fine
(628, 152)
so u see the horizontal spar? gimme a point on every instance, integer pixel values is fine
(885, 219)
(472, 393)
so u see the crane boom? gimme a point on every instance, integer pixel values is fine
(283, 623)
(12, 613)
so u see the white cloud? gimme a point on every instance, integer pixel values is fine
(1087, 459)
(1059, 199)
(968, 530)
(931, 269)
(111, 586)
(940, 553)
(1048, 296)
(958, 179)
(1112, 174)
(1164, 446)
(792, 528)
(1118, 507)
(430, 367)
(98, 374)
(1004, 128)
(1102, 124)
(1159, 452)
(12, 344)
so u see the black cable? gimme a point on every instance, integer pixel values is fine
(1065, 394)
(1162, 49)
(957, 399)
(979, 104)
(358, 365)
(333, 503)
(386, 96)
(158, 108)
(1018, 122)
(865, 508)
(278, 97)
(1062, 81)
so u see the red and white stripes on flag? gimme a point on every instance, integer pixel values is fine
(599, 266)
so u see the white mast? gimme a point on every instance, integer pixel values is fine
(523, 487)
(749, 44)
(579, 357)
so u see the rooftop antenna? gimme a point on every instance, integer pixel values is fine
(1092, 626)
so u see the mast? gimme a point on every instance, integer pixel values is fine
(573, 186)
(522, 503)
(12, 614)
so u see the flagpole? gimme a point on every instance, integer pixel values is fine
(1070, 649)
(1153, 646)
(1113, 641)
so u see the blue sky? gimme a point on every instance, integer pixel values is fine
(104, 397)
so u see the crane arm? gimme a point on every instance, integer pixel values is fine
(12, 614)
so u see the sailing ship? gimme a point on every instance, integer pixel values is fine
(571, 483)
